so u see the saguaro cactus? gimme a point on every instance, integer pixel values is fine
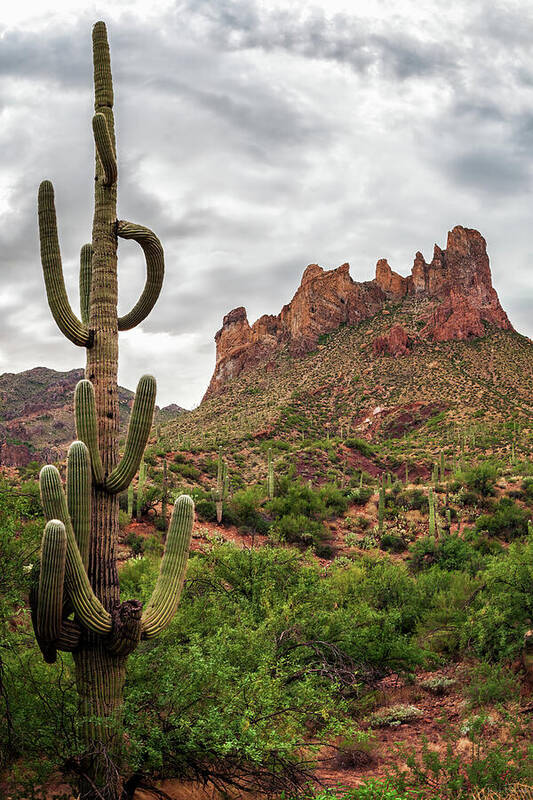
(75, 602)
(270, 478)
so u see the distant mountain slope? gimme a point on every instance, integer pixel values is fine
(387, 379)
(36, 414)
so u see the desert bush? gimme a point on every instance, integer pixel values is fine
(507, 521)
(480, 478)
(392, 716)
(361, 495)
(393, 543)
(361, 445)
(451, 553)
(438, 684)
(244, 510)
(491, 683)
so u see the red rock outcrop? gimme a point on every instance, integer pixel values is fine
(396, 343)
(457, 280)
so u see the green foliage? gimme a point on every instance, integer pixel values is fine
(502, 612)
(361, 495)
(361, 445)
(373, 789)
(456, 775)
(393, 543)
(448, 553)
(491, 683)
(244, 510)
(507, 521)
(185, 470)
(480, 478)
(206, 510)
(136, 543)
(438, 684)
(298, 529)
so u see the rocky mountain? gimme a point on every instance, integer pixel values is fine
(37, 415)
(454, 292)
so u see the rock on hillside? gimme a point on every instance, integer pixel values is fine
(457, 281)
(37, 417)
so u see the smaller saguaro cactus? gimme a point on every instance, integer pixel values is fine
(442, 466)
(130, 501)
(406, 473)
(270, 478)
(220, 490)
(140, 489)
(432, 515)
(381, 508)
(164, 496)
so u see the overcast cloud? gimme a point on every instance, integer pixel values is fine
(255, 138)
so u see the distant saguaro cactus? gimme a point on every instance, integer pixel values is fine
(75, 601)
(270, 477)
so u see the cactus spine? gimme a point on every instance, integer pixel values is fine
(78, 566)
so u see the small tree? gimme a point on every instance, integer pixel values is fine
(75, 602)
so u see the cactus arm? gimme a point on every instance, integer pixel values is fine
(138, 432)
(79, 496)
(86, 427)
(155, 268)
(86, 256)
(51, 578)
(104, 148)
(66, 320)
(86, 605)
(103, 82)
(69, 637)
(166, 595)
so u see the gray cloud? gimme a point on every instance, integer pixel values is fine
(254, 141)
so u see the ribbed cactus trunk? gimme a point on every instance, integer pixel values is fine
(78, 571)
(100, 675)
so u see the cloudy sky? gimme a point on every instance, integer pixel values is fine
(255, 138)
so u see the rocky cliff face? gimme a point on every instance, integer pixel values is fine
(457, 282)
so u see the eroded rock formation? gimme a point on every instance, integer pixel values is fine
(457, 280)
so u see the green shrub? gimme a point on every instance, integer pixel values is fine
(393, 716)
(491, 683)
(507, 521)
(136, 543)
(393, 543)
(298, 529)
(243, 510)
(361, 445)
(186, 471)
(438, 684)
(361, 495)
(412, 499)
(448, 553)
(480, 478)
(206, 510)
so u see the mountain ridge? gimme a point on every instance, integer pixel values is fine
(457, 281)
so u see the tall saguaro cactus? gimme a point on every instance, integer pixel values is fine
(75, 602)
